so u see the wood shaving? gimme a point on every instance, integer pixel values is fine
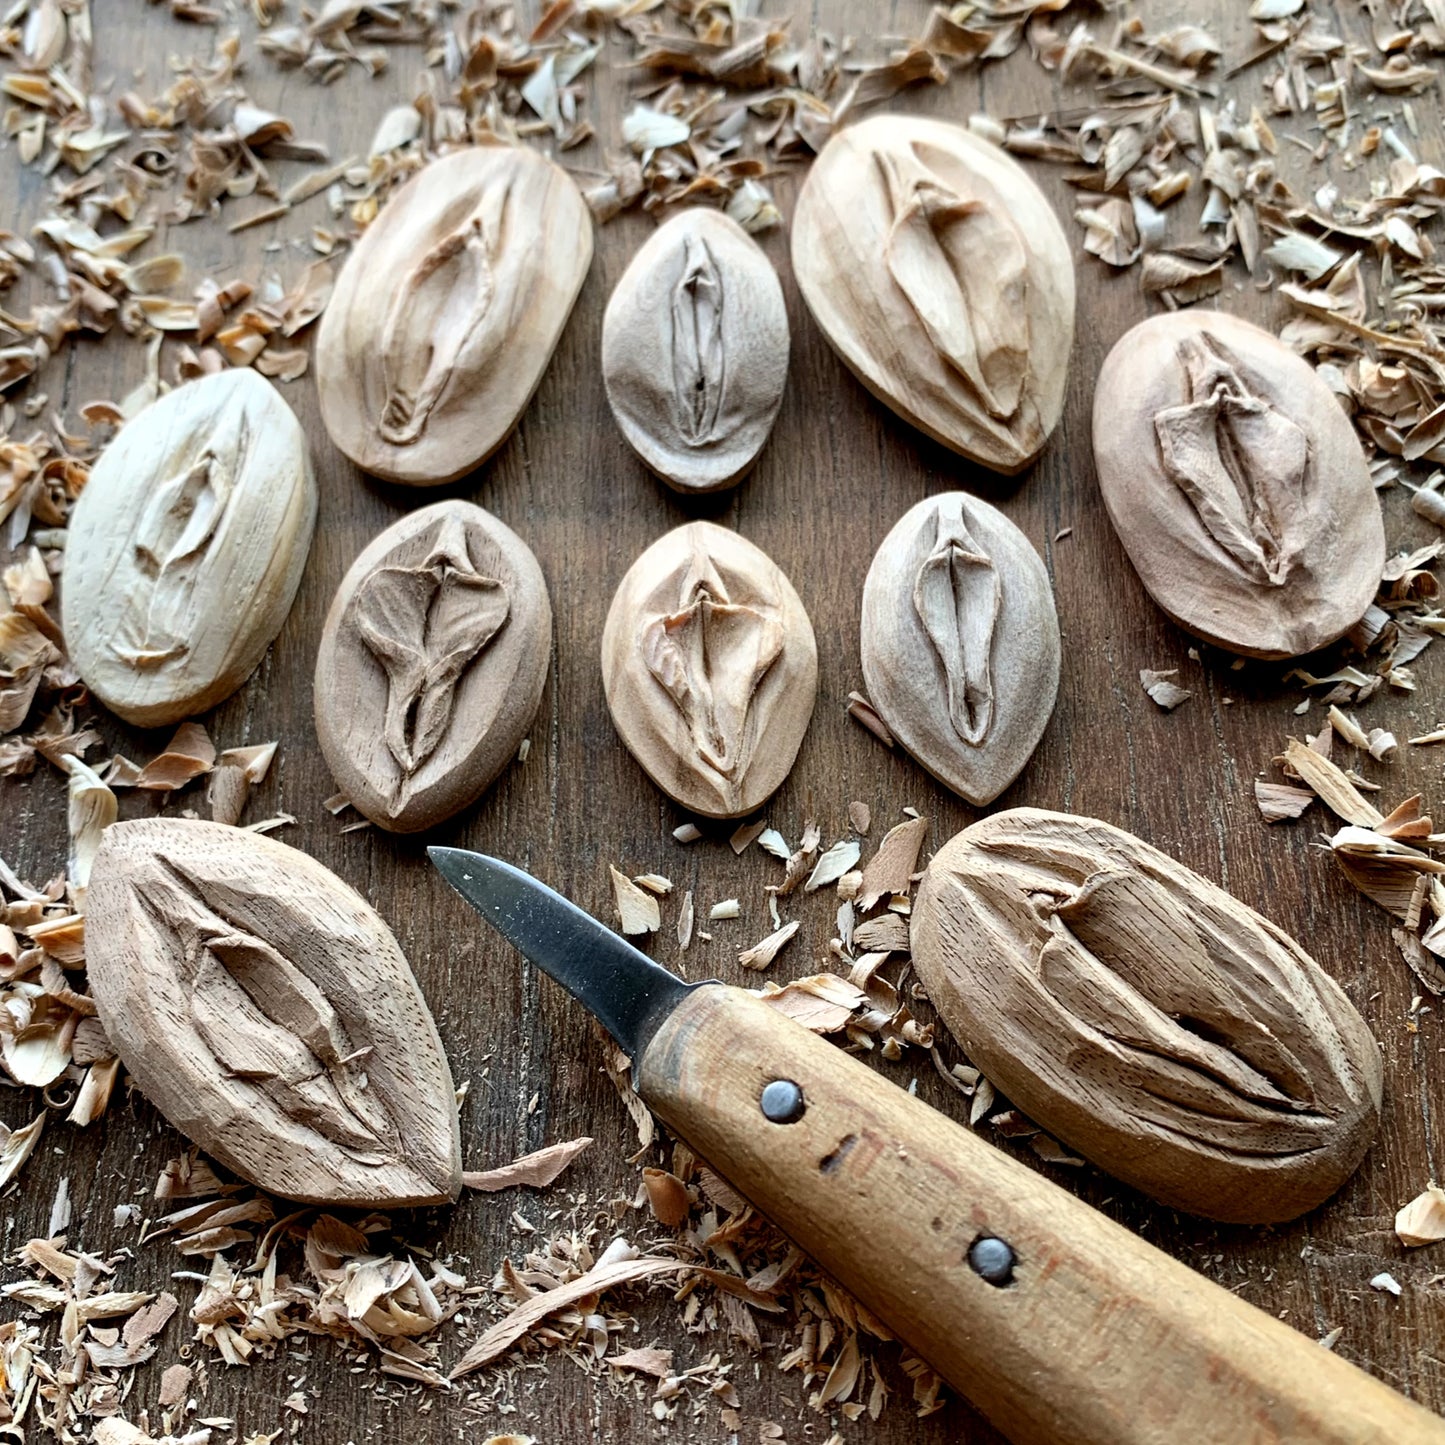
(533, 1171)
(1330, 784)
(863, 712)
(1162, 688)
(761, 955)
(832, 865)
(637, 910)
(667, 1197)
(685, 920)
(1422, 1220)
(1279, 801)
(890, 870)
(606, 1274)
(887, 933)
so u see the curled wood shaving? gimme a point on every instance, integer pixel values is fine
(866, 715)
(17, 1145)
(761, 955)
(1382, 868)
(190, 754)
(606, 1274)
(1422, 1220)
(533, 1171)
(667, 1197)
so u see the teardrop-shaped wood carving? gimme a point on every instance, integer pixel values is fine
(1237, 485)
(268, 1013)
(432, 664)
(942, 277)
(960, 642)
(447, 312)
(186, 547)
(1145, 1017)
(695, 351)
(711, 668)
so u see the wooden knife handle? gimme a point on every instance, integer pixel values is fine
(1096, 1339)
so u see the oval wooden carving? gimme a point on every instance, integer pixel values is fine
(432, 664)
(960, 642)
(942, 277)
(186, 548)
(1145, 1017)
(1237, 485)
(447, 312)
(695, 351)
(710, 667)
(267, 1012)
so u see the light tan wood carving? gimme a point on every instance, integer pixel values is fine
(432, 664)
(186, 548)
(942, 277)
(1145, 1017)
(1237, 485)
(447, 312)
(960, 642)
(695, 351)
(268, 1013)
(710, 667)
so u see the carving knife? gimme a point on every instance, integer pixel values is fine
(1057, 1323)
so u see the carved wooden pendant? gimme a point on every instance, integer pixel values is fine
(710, 668)
(1237, 485)
(432, 664)
(186, 548)
(695, 351)
(1145, 1017)
(942, 277)
(268, 1013)
(960, 642)
(445, 315)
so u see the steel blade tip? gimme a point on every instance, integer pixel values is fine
(623, 987)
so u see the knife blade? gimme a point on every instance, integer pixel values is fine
(1057, 1323)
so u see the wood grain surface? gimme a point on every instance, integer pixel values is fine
(838, 471)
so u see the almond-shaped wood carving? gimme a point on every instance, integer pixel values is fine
(267, 1012)
(445, 315)
(941, 276)
(1237, 485)
(695, 351)
(186, 548)
(960, 642)
(432, 663)
(1145, 1017)
(710, 667)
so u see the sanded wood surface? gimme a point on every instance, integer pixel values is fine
(839, 469)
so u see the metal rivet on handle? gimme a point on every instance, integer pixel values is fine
(992, 1259)
(782, 1102)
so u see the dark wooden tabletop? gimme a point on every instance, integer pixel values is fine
(838, 471)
